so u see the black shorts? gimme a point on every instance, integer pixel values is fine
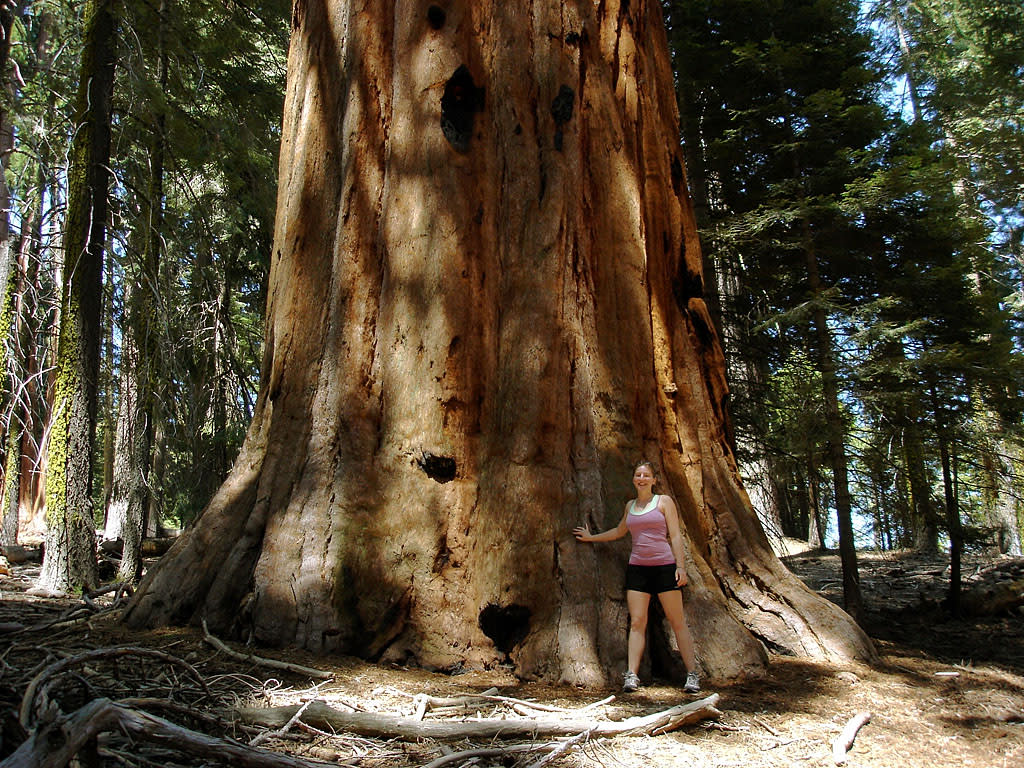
(652, 579)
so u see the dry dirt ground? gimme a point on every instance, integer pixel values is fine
(945, 693)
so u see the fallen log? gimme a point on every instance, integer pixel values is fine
(320, 715)
(19, 555)
(55, 744)
(153, 547)
(150, 547)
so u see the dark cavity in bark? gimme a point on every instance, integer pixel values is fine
(436, 16)
(440, 468)
(461, 100)
(687, 285)
(677, 175)
(506, 626)
(561, 111)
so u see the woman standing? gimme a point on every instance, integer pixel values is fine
(655, 568)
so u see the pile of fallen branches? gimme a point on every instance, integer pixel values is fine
(57, 737)
(549, 731)
(54, 677)
(139, 706)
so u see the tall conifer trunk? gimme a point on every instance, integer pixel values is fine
(1001, 459)
(129, 497)
(485, 305)
(69, 562)
(835, 433)
(925, 529)
(129, 506)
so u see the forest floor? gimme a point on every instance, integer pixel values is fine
(945, 692)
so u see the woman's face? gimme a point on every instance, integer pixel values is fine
(643, 477)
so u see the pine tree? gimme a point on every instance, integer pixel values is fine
(69, 563)
(781, 116)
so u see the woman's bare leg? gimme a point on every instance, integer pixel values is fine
(638, 604)
(672, 604)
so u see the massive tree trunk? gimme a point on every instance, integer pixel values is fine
(485, 305)
(69, 562)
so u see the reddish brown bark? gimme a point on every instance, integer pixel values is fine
(485, 306)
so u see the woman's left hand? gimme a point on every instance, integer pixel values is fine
(681, 580)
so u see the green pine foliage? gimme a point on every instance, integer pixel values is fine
(220, 109)
(204, 81)
(796, 139)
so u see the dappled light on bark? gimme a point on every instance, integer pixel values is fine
(469, 344)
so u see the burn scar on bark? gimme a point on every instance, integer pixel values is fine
(561, 111)
(677, 175)
(436, 16)
(442, 469)
(507, 626)
(461, 100)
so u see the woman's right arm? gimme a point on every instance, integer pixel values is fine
(583, 533)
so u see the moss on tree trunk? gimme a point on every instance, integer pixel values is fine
(69, 563)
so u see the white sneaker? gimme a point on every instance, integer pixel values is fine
(692, 683)
(630, 682)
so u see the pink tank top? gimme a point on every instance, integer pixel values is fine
(650, 535)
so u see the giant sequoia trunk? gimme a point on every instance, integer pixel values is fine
(485, 306)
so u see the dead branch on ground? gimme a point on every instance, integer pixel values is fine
(452, 705)
(80, 613)
(55, 743)
(844, 742)
(318, 674)
(320, 715)
(550, 751)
